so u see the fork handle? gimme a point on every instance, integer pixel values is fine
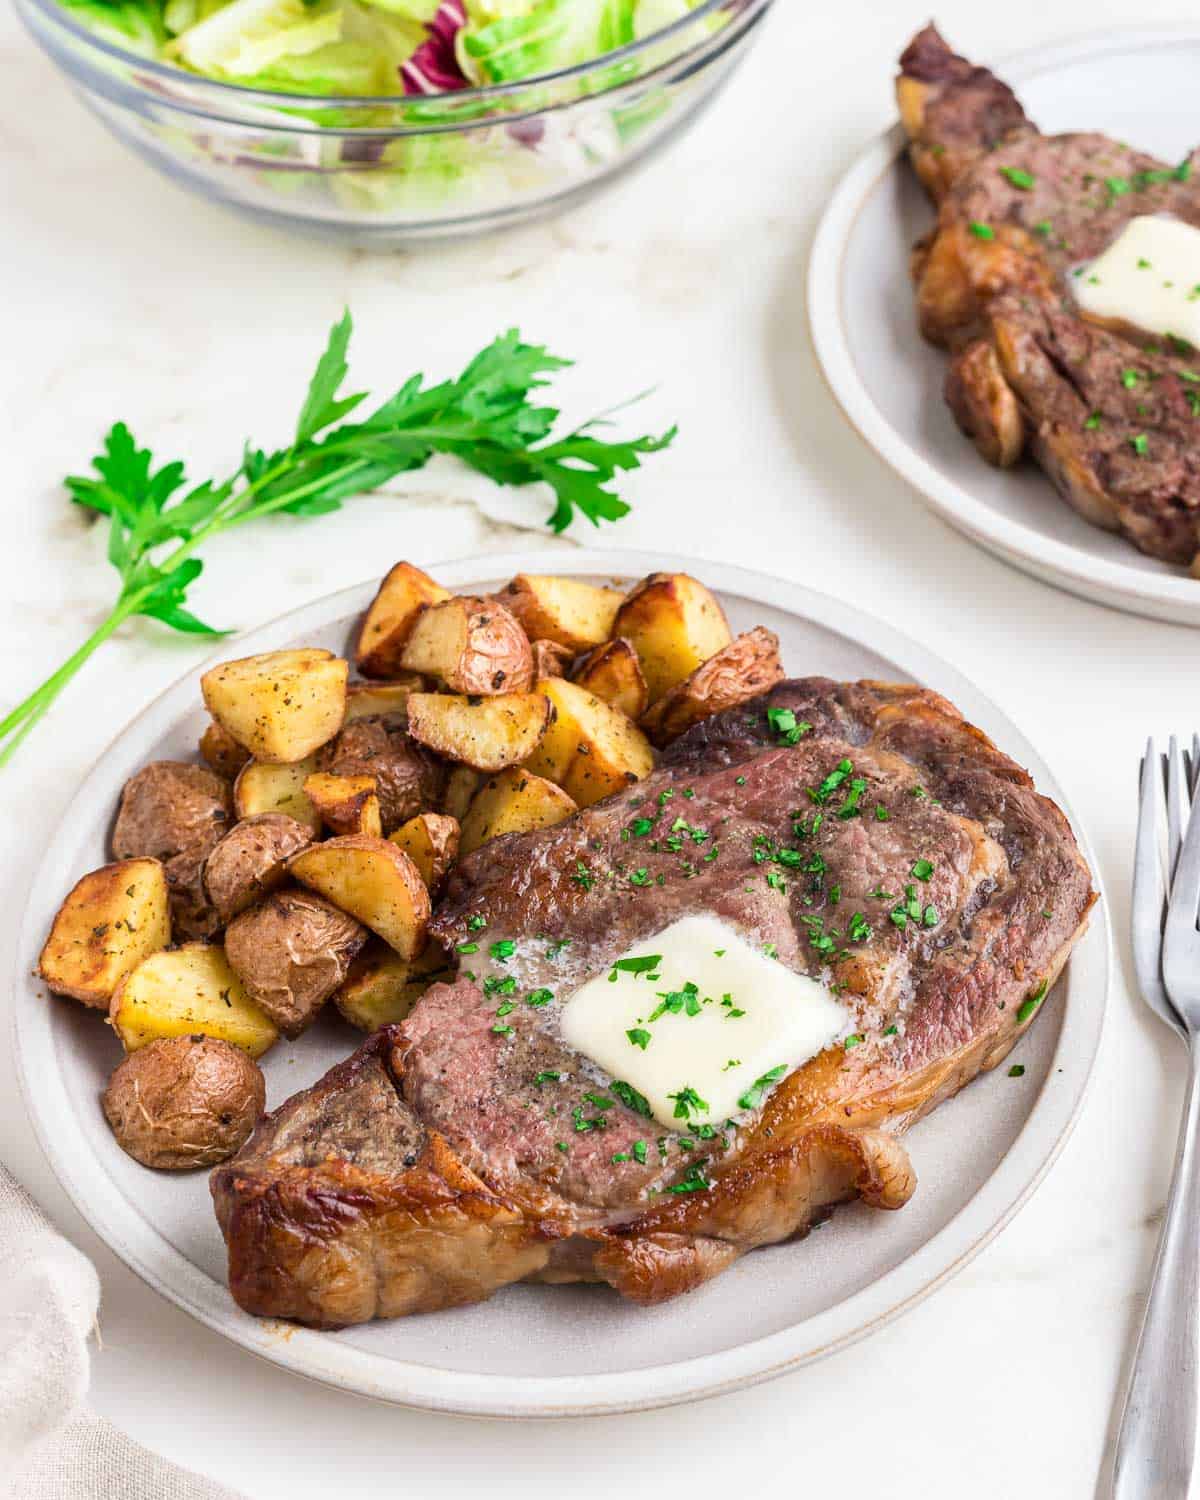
(1155, 1450)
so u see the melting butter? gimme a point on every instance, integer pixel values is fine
(1148, 278)
(698, 1021)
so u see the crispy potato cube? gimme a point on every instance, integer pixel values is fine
(113, 918)
(374, 881)
(381, 987)
(472, 646)
(431, 841)
(748, 666)
(184, 992)
(674, 624)
(390, 616)
(281, 705)
(590, 749)
(612, 672)
(574, 614)
(222, 752)
(347, 804)
(278, 789)
(368, 700)
(513, 801)
(487, 733)
(461, 785)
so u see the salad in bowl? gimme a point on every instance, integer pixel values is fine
(395, 119)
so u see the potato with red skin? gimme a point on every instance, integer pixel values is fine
(291, 952)
(612, 672)
(744, 669)
(408, 779)
(470, 645)
(248, 862)
(221, 751)
(184, 1102)
(550, 659)
(176, 812)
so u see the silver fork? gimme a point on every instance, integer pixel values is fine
(1155, 1451)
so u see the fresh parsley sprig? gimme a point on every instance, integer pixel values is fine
(487, 418)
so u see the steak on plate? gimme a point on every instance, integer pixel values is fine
(1112, 416)
(457, 1153)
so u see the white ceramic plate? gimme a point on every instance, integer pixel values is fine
(550, 1351)
(1136, 86)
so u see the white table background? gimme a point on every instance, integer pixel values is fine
(125, 298)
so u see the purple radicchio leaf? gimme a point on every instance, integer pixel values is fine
(433, 68)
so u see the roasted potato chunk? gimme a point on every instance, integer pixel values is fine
(375, 882)
(461, 785)
(281, 705)
(550, 659)
(381, 987)
(431, 841)
(590, 750)
(221, 751)
(184, 1102)
(408, 780)
(390, 616)
(176, 812)
(180, 991)
(513, 801)
(347, 804)
(291, 953)
(749, 666)
(613, 672)
(276, 789)
(674, 624)
(113, 918)
(248, 862)
(574, 614)
(487, 733)
(472, 646)
(372, 700)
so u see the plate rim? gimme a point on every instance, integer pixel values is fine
(1058, 563)
(326, 1360)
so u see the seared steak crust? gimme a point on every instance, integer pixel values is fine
(891, 850)
(1110, 414)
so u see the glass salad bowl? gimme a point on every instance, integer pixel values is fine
(398, 169)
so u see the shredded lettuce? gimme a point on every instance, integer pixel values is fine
(380, 47)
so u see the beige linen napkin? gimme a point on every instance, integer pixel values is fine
(51, 1446)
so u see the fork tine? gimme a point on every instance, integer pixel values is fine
(1185, 898)
(1148, 892)
(1178, 803)
(1195, 764)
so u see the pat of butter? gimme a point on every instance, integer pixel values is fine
(1149, 278)
(695, 1030)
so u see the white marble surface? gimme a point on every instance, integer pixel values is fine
(125, 298)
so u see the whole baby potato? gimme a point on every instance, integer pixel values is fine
(248, 862)
(184, 1102)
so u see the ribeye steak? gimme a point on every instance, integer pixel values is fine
(890, 850)
(1111, 416)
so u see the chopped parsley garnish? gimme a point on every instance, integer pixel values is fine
(1018, 176)
(618, 1157)
(890, 1031)
(981, 231)
(852, 1041)
(549, 1076)
(539, 997)
(1140, 444)
(1017, 1070)
(467, 948)
(639, 1152)
(881, 813)
(640, 877)
(643, 965)
(1118, 186)
(501, 1029)
(583, 877)
(849, 808)
(776, 881)
(739, 781)
(822, 793)
(1043, 226)
(754, 1095)
(860, 929)
(922, 869)
(640, 827)
(1129, 378)
(688, 1102)
(786, 725)
(496, 986)
(694, 1182)
(561, 1146)
(503, 950)
(506, 1009)
(584, 1123)
(638, 1037)
(477, 923)
(630, 1098)
(1031, 1003)
(1093, 422)
(673, 1001)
